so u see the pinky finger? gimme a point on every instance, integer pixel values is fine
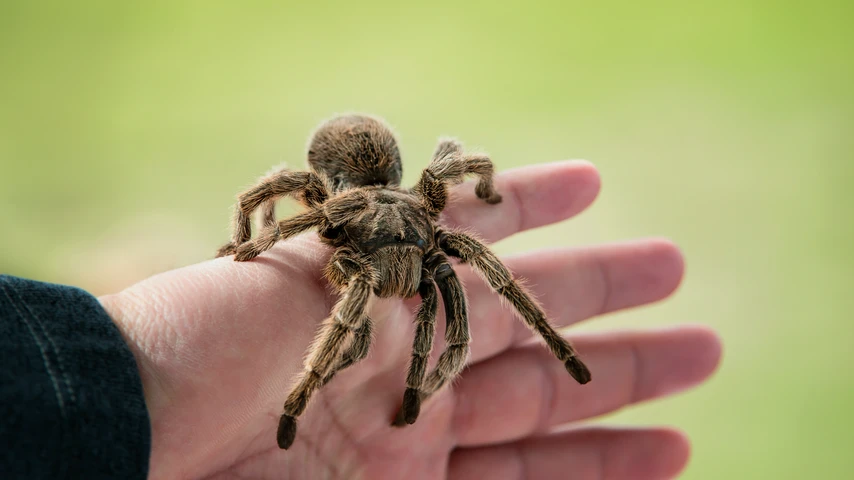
(587, 453)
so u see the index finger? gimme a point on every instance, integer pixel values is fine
(532, 197)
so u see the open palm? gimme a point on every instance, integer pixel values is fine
(219, 343)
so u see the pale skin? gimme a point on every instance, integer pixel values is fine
(219, 344)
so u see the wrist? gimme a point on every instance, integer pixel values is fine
(126, 315)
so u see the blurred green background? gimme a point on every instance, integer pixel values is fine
(126, 128)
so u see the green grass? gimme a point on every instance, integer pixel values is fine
(126, 129)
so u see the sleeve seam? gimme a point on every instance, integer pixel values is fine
(53, 346)
(43, 350)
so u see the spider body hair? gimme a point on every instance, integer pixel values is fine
(387, 243)
(355, 151)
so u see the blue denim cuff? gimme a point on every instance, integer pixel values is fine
(71, 399)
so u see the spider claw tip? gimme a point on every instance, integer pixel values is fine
(287, 431)
(578, 370)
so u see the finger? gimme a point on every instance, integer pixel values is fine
(590, 453)
(532, 197)
(573, 285)
(627, 367)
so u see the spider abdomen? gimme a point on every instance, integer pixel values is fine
(355, 151)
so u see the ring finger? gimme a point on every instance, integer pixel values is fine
(628, 367)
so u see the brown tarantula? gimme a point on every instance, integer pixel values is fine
(387, 243)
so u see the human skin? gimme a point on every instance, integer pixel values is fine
(220, 342)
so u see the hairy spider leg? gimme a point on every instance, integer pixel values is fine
(422, 345)
(332, 213)
(284, 229)
(306, 186)
(346, 318)
(449, 165)
(457, 337)
(357, 351)
(500, 279)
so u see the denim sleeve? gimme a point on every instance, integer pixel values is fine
(71, 403)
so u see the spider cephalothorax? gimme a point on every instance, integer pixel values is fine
(387, 244)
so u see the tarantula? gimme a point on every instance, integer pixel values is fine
(387, 243)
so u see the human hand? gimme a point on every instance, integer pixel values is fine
(218, 344)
